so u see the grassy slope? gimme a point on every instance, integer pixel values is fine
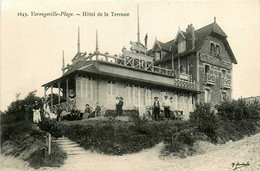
(21, 140)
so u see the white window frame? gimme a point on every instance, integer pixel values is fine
(181, 46)
(208, 100)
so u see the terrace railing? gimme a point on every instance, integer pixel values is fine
(143, 62)
(64, 105)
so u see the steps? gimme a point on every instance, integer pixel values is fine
(70, 147)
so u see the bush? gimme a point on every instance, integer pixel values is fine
(50, 125)
(10, 130)
(233, 110)
(129, 137)
(204, 119)
(21, 140)
(39, 159)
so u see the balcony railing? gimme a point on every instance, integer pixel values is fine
(226, 82)
(64, 105)
(210, 79)
(143, 62)
(184, 83)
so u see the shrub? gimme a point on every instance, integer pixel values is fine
(129, 137)
(39, 159)
(50, 125)
(204, 119)
(10, 130)
(233, 110)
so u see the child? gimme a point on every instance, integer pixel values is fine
(86, 112)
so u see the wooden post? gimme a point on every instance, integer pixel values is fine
(58, 92)
(179, 65)
(67, 90)
(172, 62)
(44, 93)
(51, 95)
(49, 144)
(188, 69)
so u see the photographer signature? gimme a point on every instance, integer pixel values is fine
(239, 165)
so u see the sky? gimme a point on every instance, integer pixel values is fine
(31, 47)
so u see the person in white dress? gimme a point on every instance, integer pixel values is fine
(36, 113)
(47, 111)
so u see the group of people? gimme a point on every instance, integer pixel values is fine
(45, 109)
(119, 106)
(167, 106)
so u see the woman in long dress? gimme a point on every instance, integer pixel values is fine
(36, 113)
(47, 111)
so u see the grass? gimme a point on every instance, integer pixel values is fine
(120, 137)
(116, 137)
(23, 141)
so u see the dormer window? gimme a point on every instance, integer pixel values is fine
(217, 49)
(157, 55)
(181, 46)
(212, 48)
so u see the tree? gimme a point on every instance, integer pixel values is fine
(20, 110)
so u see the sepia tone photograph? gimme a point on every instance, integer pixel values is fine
(130, 86)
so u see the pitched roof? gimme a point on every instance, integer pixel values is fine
(200, 36)
(163, 46)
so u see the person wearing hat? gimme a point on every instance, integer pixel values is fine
(156, 108)
(36, 113)
(116, 103)
(166, 106)
(120, 106)
(86, 112)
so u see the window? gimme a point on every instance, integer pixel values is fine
(206, 69)
(136, 95)
(181, 46)
(217, 49)
(111, 90)
(224, 95)
(207, 95)
(212, 48)
(224, 72)
(157, 55)
(163, 93)
(89, 88)
(142, 96)
(130, 93)
(148, 96)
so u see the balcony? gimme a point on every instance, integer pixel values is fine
(65, 105)
(185, 83)
(226, 83)
(209, 79)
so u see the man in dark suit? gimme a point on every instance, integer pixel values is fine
(120, 106)
(156, 108)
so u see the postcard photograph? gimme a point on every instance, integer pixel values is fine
(130, 86)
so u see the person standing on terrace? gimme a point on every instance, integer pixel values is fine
(72, 98)
(156, 108)
(166, 106)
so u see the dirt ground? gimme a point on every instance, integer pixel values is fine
(215, 158)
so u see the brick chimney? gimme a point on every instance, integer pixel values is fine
(190, 37)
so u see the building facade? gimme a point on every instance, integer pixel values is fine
(195, 67)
